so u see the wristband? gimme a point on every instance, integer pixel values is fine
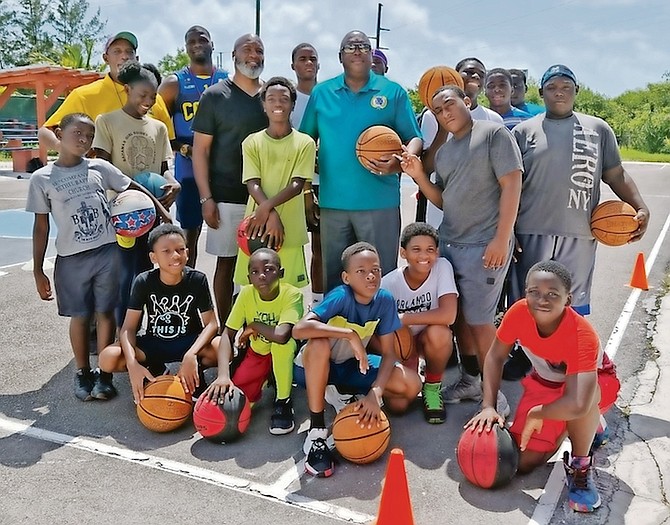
(204, 200)
(380, 399)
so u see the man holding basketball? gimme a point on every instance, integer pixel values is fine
(371, 213)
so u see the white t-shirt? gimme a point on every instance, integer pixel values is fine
(429, 127)
(296, 119)
(426, 297)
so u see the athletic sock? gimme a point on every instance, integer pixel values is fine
(470, 365)
(433, 378)
(317, 420)
(580, 462)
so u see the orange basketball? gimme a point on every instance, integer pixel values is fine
(165, 406)
(360, 445)
(435, 78)
(612, 222)
(403, 343)
(376, 142)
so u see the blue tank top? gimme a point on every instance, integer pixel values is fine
(191, 88)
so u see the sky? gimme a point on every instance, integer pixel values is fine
(611, 45)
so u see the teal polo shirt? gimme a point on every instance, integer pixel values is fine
(336, 116)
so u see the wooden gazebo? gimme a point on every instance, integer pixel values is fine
(48, 81)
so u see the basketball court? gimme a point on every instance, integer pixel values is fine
(65, 461)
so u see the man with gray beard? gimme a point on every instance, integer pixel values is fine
(228, 112)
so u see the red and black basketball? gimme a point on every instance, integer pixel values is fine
(248, 246)
(488, 460)
(225, 420)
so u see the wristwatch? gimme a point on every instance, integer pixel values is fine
(185, 150)
(204, 200)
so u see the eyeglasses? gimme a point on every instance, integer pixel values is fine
(352, 48)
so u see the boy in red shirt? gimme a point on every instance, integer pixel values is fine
(571, 384)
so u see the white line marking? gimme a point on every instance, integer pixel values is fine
(546, 505)
(47, 259)
(267, 492)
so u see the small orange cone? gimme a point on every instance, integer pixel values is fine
(395, 507)
(639, 277)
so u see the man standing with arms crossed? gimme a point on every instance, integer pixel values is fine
(228, 112)
(357, 204)
(181, 92)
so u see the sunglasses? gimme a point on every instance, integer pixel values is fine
(352, 48)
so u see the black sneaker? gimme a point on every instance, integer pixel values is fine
(319, 460)
(281, 420)
(103, 388)
(517, 365)
(83, 384)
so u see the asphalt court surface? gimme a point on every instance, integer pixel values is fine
(181, 477)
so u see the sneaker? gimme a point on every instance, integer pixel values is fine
(517, 365)
(83, 384)
(337, 399)
(433, 405)
(502, 406)
(582, 493)
(319, 460)
(467, 388)
(281, 420)
(103, 388)
(602, 435)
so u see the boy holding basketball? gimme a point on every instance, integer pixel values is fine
(73, 190)
(181, 324)
(260, 325)
(337, 331)
(571, 384)
(426, 299)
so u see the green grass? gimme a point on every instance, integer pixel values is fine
(633, 154)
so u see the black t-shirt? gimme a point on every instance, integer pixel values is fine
(172, 311)
(229, 115)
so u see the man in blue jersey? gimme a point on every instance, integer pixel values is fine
(181, 92)
(358, 204)
(519, 90)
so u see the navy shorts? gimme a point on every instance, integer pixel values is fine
(189, 209)
(161, 351)
(87, 282)
(346, 376)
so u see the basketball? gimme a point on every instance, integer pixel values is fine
(223, 422)
(165, 406)
(376, 142)
(488, 460)
(435, 78)
(403, 343)
(356, 444)
(248, 246)
(133, 213)
(612, 222)
(151, 181)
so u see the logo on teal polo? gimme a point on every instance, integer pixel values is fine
(379, 102)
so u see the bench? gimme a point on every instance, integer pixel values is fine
(19, 139)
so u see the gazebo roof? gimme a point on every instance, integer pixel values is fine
(50, 76)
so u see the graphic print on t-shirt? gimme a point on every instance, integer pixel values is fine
(419, 303)
(170, 316)
(138, 150)
(585, 153)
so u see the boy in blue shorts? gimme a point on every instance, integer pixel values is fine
(73, 189)
(181, 324)
(337, 331)
(427, 299)
(265, 311)
(572, 383)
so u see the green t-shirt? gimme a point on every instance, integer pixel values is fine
(249, 307)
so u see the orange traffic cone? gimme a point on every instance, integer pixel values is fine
(395, 507)
(639, 277)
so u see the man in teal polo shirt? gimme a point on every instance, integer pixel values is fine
(357, 204)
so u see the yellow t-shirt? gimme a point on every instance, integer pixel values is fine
(104, 96)
(136, 145)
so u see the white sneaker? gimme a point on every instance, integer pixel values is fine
(313, 435)
(466, 388)
(338, 400)
(502, 406)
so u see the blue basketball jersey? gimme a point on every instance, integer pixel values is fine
(191, 88)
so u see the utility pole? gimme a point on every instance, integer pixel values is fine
(379, 27)
(258, 17)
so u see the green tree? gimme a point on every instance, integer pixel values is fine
(414, 98)
(9, 36)
(73, 26)
(32, 20)
(171, 63)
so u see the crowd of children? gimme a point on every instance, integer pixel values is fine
(341, 350)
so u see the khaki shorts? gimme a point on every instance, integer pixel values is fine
(222, 242)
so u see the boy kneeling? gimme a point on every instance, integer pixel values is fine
(571, 384)
(338, 331)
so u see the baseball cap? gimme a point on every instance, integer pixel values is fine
(381, 56)
(123, 35)
(558, 70)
